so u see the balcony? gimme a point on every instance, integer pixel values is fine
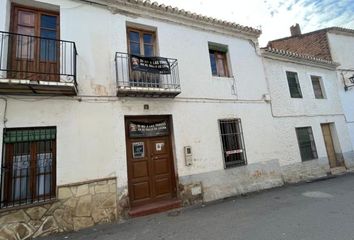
(31, 65)
(139, 76)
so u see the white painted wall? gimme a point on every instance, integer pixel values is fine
(342, 48)
(308, 105)
(308, 111)
(91, 136)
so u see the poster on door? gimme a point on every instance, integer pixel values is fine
(138, 150)
(159, 146)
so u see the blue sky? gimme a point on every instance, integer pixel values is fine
(275, 16)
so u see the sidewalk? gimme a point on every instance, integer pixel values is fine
(322, 210)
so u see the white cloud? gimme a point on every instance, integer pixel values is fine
(275, 16)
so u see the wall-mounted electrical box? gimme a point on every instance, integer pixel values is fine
(188, 155)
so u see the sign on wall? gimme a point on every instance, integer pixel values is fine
(138, 129)
(158, 65)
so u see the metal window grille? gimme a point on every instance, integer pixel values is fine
(306, 143)
(294, 86)
(232, 143)
(28, 168)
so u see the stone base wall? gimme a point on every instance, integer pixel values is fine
(234, 181)
(191, 194)
(225, 183)
(348, 158)
(307, 170)
(77, 206)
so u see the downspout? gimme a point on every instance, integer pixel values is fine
(4, 119)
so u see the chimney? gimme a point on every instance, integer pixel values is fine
(295, 30)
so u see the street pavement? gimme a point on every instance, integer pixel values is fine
(322, 210)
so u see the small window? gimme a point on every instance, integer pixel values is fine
(218, 60)
(306, 143)
(294, 86)
(232, 143)
(317, 87)
(141, 42)
(28, 166)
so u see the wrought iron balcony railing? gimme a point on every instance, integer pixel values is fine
(32, 64)
(146, 76)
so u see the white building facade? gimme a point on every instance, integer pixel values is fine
(305, 100)
(341, 44)
(335, 44)
(113, 107)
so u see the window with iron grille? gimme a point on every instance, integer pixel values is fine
(294, 85)
(28, 170)
(232, 143)
(306, 143)
(317, 87)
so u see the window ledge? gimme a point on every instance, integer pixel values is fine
(219, 77)
(26, 206)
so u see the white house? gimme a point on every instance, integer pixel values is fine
(334, 44)
(112, 108)
(307, 110)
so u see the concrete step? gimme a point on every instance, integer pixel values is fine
(156, 207)
(338, 170)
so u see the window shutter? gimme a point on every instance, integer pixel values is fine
(306, 143)
(294, 86)
(316, 84)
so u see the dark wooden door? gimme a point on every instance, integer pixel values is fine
(35, 50)
(150, 169)
(160, 159)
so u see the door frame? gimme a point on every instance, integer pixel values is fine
(150, 118)
(338, 162)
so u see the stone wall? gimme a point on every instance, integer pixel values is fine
(191, 193)
(77, 206)
(234, 181)
(307, 170)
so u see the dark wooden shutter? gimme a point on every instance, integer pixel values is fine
(316, 84)
(306, 143)
(294, 86)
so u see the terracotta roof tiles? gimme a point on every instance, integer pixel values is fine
(313, 43)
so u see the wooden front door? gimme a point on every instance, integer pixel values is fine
(331, 153)
(150, 163)
(35, 50)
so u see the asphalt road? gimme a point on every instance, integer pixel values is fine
(322, 210)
